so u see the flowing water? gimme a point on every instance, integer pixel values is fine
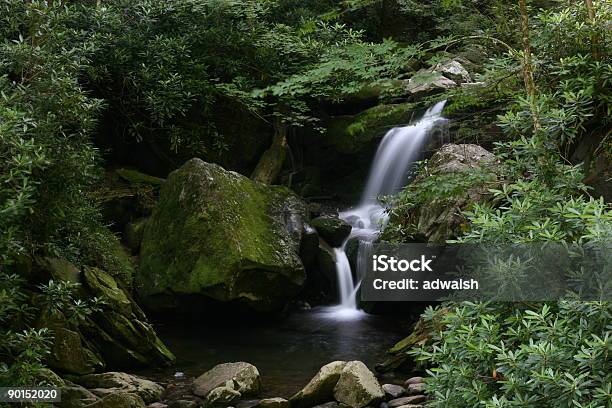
(397, 152)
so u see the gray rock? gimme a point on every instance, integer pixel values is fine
(414, 380)
(332, 404)
(333, 230)
(393, 391)
(244, 376)
(222, 396)
(453, 70)
(425, 83)
(274, 403)
(320, 389)
(116, 382)
(357, 386)
(398, 402)
(119, 400)
(417, 388)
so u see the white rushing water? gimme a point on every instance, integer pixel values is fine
(396, 153)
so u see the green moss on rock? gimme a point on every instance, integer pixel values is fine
(349, 134)
(218, 234)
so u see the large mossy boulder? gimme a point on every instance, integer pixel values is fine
(218, 235)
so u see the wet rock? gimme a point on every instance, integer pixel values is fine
(218, 235)
(274, 403)
(398, 402)
(414, 380)
(119, 400)
(320, 389)
(357, 386)
(222, 396)
(117, 382)
(244, 376)
(393, 391)
(333, 230)
(417, 388)
(383, 405)
(309, 246)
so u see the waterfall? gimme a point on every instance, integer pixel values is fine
(396, 153)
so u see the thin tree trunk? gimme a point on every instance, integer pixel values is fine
(594, 39)
(527, 64)
(271, 162)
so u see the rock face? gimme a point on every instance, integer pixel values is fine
(119, 335)
(219, 235)
(320, 389)
(357, 386)
(116, 382)
(241, 377)
(440, 218)
(333, 230)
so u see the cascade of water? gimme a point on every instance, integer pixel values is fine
(396, 153)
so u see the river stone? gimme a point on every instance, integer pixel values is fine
(414, 389)
(113, 382)
(222, 396)
(274, 403)
(414, 380)
(244, 376)
(119, 400)
(357, 386)
(320, 389)
(392, 390)
(219, 235)
(398, 402)
(333, 230)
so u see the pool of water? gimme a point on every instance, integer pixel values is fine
(288, 352)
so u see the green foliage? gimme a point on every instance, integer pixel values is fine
(24, 346)
(513, 355)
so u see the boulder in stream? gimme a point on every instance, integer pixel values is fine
(116, 382)
(332, 229)
(357, 386)
(320, 389)
(243, 376)
(218, 235)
